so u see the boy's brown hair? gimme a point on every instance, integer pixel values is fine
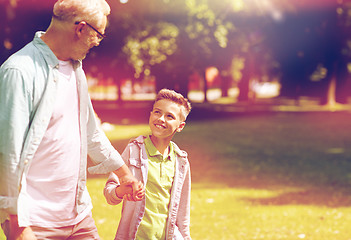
(178, 98)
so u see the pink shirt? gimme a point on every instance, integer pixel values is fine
(28, 91)
(53, 175)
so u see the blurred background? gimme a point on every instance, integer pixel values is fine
(269, 135)
(242, 50)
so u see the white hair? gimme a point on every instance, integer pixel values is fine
(81, 10)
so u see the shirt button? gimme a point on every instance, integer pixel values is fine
(25, 162)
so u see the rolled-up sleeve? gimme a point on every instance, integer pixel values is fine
(104, 156)
(113, 182)
(110, 190)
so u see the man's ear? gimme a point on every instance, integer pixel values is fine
(181, 126)
(79, 28)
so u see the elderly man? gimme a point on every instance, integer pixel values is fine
(48, 127)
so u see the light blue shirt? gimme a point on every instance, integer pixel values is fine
(28, 86)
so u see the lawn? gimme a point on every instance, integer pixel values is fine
(262, 176)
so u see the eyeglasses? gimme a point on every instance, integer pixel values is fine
(100, 35)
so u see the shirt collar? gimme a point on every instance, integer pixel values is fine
(48, 54)
(153, 152)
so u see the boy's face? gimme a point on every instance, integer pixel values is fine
(165, 119)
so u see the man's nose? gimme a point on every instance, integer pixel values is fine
(97, 43)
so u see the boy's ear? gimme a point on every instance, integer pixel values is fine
(181, 126)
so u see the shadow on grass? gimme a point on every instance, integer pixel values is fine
(333, 198)
(291, 190)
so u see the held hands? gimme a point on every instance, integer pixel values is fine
(130, 189)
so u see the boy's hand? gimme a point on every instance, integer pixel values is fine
(137, 194)
(123, 189)
(138, 191)
(126, 178)
(131, 189)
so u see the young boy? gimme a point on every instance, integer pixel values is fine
(163, 168)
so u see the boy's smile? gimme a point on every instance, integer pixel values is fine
(159, 126)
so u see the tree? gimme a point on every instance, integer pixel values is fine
(19, 22)
(175, 48)
(311, 47)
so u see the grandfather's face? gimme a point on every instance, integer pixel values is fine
(91, 37)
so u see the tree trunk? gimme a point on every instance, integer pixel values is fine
(205, 86)
(119, 91)
(244, 84)
(225, 84)
(331, 93)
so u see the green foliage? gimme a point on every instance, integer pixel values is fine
(205, 26)
(193, 40)
(151, 45)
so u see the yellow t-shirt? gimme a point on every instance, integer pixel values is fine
(157, 192)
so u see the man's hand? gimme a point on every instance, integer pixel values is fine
(123, 189)
(138, 191)
(127, 179)
(136, 188)
(19, 233)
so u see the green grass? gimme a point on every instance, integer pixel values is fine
(267, 176)
(258, 176)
